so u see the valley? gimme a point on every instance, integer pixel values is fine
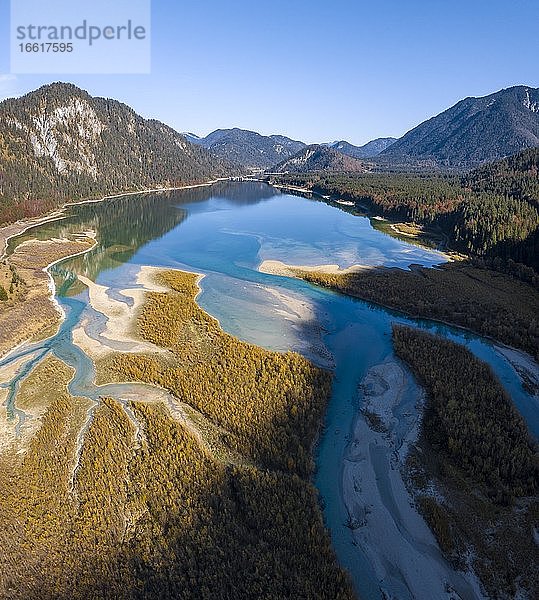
(244, 366)
(167, 342)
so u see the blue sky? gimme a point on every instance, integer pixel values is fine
(313, 70)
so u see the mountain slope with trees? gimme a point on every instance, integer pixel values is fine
(319, 158)
(474, 131)
(248, 148)
(60, 144)
(368, 150)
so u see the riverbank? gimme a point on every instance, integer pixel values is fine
(383, 520)
(489, 303)
(117, 318)
(14, 229)
(476, 450)
(23, 225)
(36, 313)
(525, 366)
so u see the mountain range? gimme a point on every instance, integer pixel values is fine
(59, 143)
(248, 148)
(472, 132)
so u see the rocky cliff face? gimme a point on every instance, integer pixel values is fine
(60, 143)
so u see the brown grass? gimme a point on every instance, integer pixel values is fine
(33, 312)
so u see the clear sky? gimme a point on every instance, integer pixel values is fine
(314, 70)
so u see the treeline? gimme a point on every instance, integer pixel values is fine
(490, 212)
(58, 144)
(486, 301)
(469, 416)
(516, 176)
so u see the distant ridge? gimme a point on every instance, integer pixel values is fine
(319, 158)
(368, 150)
(248, 148)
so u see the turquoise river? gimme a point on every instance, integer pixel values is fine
(225, 231)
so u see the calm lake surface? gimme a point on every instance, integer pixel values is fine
(226, 231)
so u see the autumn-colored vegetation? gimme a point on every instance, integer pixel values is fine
(29, 311)
(147, 508)
(271, 404)
(11, 284)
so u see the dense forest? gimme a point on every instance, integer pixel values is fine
(490, 212)
(489, 302)
(59, 144)
(475, 452)
(470, 416)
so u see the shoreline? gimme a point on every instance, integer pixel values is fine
(120, 318)
(288, 271)
(52, 286)
(277, 267)
(382, 518)
(23, 225)
(147, 191)
(39, 311)
(13, 230)
(451, 255)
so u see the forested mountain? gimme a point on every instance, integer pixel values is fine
(191, 137)
(474, 131)
(368, 150)
(59, 143)
(248, 148)
(319, 158)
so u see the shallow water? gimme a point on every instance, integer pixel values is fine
(225, 232)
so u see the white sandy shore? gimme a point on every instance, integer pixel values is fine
(382, 517)
(302, 316)
(52, 287)
(277, 267)
(9, 370)
(525, 365)
(120, 317)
